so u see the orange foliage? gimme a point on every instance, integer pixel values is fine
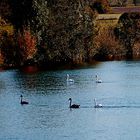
(27, 43)
(107, 42)
(106, 38)
(136, 49)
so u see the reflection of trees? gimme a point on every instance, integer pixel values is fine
(37, 82)
(2, 85)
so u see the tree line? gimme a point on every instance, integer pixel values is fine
(57, 32)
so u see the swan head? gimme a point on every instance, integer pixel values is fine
(70, 99)
(21, 96)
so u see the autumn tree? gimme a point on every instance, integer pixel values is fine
(63, 29)
(108, 46)
(16, 49)
(128, 31)
(27, 45)
(7, 43)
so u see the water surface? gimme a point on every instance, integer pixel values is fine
(48, 117)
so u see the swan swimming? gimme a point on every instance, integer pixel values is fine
(23, 102)
(74, 105)
(68, 79)
(97, 79)
(97, 105)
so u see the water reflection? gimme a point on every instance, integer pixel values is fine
(2, 85)
(38, 82)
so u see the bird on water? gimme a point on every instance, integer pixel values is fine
(97, 105)
(97, 79)
(74, 105)
(23, 102)
(69, 80)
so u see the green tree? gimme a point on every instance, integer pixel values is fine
(64, 29)
(128, 31)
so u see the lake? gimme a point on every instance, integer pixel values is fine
(48, 117)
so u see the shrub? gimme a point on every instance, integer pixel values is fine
(108, 47)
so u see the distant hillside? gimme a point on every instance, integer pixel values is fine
(121, 3)
(125, 9)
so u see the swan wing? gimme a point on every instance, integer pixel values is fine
(75, 106)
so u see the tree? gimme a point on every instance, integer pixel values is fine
(102, 6)
(128, 31)
(41, 18)
(108, 46)
(9, 50)
(64, 29)
(17, 49)
(21, 12)
(27, 45)
(5, 10)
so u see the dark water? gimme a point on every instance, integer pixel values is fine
(47, 117)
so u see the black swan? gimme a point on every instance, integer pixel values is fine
(23, 102)
(74, 105)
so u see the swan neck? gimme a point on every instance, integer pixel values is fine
(70, 102)
(67, 77)
(21, 100)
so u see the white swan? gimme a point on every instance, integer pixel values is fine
(97, 79)
(97, 105)
(68, 79)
